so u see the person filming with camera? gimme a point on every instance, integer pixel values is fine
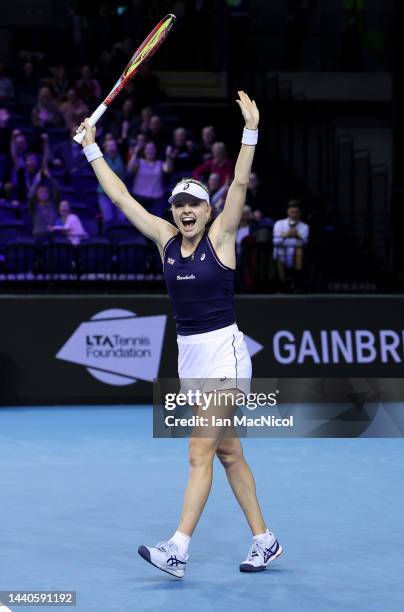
(290, 236)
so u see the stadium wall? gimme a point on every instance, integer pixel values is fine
(101, 349)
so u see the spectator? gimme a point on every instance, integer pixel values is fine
(60, 82)
(139, 144)
(45, 112)
(204, 147)
(43, 209)
(7, 93)
(68, 156)
(254, 197)
(217, 193)
(88, 88)
(148, 90)
(244, 228)
(219, 164)
(111, 213)
(73, 110)
(145, 116)
(290, 236)
(18, 150)
(69, 224)
(150, 172)
(181, 154)
(123, 127)
(158, 134)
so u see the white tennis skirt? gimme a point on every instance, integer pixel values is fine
(214, 360)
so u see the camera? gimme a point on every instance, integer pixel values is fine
(292, 223)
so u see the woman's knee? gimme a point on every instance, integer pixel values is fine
(230, 454)
(201, 452)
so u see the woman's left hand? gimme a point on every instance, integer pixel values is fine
(249, 109)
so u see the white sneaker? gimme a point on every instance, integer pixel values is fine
(261, 553)
(166, 557)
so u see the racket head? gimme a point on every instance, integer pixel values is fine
(149, 46)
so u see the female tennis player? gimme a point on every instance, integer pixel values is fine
(199, 270)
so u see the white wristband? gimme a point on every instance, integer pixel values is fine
(250, 137)
(92, 152)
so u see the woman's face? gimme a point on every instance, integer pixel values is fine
(191, 216)
(150, 151)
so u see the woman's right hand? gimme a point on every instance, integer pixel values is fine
(89, 133)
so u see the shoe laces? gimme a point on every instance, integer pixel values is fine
(255, 550)
(167, 546)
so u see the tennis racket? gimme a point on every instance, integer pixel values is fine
(148, 47)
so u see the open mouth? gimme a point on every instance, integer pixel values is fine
(188, 222)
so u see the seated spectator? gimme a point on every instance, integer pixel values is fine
(45, 113)
(217, 193)
(111, 213)
(28, 174)
(219, 164)
(69, 225)
(43, 210)
(290, 236)
(60, 82)
(150, 172)
(203, 149)
(73, 110)
(88, 88)
(7, 93)
(182, 154)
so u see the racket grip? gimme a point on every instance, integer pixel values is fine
(93, 120)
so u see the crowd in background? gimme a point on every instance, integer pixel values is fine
(49, 189)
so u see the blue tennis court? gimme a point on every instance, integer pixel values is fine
(82, 487)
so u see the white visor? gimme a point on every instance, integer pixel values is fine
(190, 189)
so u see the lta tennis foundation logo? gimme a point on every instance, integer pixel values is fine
(117, 347)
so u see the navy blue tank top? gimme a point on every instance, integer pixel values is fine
(200, 287)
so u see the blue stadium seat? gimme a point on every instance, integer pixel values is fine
(133, 258)
(20, 257)
(119, 232)
(11, 231)
(94, 257)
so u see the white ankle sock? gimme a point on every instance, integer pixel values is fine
(182, 540)
(263, 536)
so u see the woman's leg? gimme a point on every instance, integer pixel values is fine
(202, 448)
(201, 455)
(239, 475)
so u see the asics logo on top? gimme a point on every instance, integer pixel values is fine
(203, 256)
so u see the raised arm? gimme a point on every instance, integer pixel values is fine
(149, 225)
(228, 221)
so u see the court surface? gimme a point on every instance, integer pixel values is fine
(82, 487)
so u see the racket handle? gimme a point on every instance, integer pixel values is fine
(92, 120)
